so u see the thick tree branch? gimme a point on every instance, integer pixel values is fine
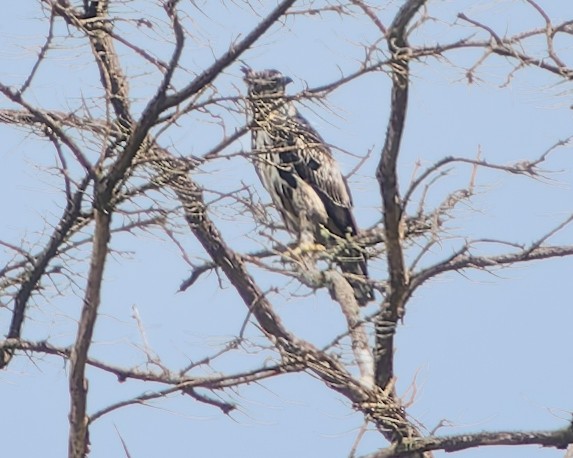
(78, 446)
(344, 295)
(559, 439)
(386, 174)
(393, 307)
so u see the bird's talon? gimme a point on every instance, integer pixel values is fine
(307, 248)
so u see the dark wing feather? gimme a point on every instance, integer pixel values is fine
(313, 162)
(315, 165)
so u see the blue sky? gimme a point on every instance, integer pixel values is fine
(486, 351)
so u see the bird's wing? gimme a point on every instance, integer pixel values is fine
(313, 162)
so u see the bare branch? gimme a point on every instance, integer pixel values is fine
(41, 56)
(60, 233)
(559, 439)
(460, 261)
(50, 124)
(343, 293)
(371, 14)
(78, 436)
(393, 308)
(386, 174)
(229, 57)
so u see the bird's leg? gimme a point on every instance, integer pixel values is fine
(306, 252)
(307, 247)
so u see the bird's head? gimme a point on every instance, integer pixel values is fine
(266, 82)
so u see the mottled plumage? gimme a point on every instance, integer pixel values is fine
(296, 167)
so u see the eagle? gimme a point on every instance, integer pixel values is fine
(297, 168)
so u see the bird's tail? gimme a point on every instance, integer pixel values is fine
(353, 263)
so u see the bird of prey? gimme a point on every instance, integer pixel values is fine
(298, 170)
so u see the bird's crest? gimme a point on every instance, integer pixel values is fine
(265, 82)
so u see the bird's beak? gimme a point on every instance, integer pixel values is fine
(287, 80)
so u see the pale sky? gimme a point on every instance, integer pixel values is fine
(484, 351)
